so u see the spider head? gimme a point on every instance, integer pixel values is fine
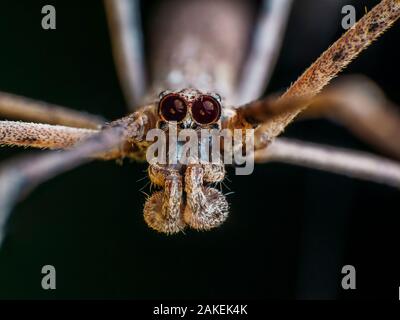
(190, 109)
(186, 197)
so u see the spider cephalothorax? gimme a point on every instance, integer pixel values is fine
(186, 198)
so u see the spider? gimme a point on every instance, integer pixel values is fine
(186, 197)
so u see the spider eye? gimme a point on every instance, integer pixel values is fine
(172, 108)
(206, 110)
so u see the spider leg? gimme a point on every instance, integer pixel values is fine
(206, 207)
(322, 71)
(21, 108)
(163, 210)
(126, 35)
(117, 139)
(354, 101)
(37, 135)
(355, 164)
(362, 107)
(20, 176)
(264, 50)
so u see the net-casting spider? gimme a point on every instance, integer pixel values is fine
(200, 62)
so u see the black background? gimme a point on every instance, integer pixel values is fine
(290, 230)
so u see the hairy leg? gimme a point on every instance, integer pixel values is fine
(320, 73)
(116, 140)
(37, 135)
(163, 210)
(206, 207)
(354, 101)
(360, 105)
(21, 108)
(135, 127)
(20, 176)
(355, 164)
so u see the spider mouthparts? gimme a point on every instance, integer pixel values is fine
(209, 213)
(203, 208)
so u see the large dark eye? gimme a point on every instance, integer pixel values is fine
(206, 110)
(172, 108)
